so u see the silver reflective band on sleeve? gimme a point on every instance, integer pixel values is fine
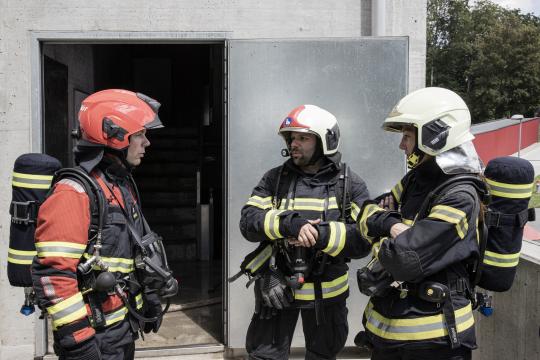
(60, 249)
(451, 215)
(501, 260)
(355, 211)
(260, 259)
(260, 202)
(311, 204)
(31, 181)
(396, 191)
(420, 328)
(21, 257)
(330, 289)
(67, 311)
(271, 224)
(337, 238)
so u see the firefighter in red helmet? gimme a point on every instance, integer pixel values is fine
(305, 211)
(90, 321)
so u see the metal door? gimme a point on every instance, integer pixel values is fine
(358, 80)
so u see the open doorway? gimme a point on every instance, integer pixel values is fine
(180, 179)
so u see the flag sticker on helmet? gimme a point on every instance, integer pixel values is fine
(287, 121)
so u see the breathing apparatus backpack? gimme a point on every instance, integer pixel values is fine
(33, 179)
(509, 182)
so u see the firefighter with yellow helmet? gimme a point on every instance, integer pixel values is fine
(427, 312)
(303, 212)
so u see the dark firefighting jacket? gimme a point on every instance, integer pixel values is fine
(264, 218)
(62, 242)
(435, 248)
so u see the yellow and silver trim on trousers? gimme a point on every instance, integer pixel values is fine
(421, 328)
(330, 289)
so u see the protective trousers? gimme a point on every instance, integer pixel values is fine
(271, 338)
(435, 353)
(117, 342)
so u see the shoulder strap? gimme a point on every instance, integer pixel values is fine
(343, 193)
(92, 189)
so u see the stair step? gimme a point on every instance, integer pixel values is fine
(147, 184)
(161, 215)
(171, 156)
(168, 199)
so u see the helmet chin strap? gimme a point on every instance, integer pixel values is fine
(414, 158)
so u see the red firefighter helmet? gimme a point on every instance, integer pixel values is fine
(109, 117)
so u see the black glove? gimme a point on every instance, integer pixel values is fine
(87, 350)
(169, 289)
(262, 311)
(274, 290)
(152, 309)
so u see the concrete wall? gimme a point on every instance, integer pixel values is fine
(19, 20)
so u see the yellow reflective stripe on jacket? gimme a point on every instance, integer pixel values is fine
(408, 222)
(271, 224)
(355, 211)
(397, 190)
(60, 249)
(115, 316)
(260, 259)
(139, 301)
(369, 210)
(67, 311)
(330, 289)
(21, 257)
(114, 264)
(260, 202)
(501, 260)
(31, 181)
(451, 215)
(512, 191)
(421, 328)
(337, 238)
(309, 204)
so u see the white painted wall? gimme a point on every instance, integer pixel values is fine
(240, 18)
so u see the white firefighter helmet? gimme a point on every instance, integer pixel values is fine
(440, 116)
(315, 120)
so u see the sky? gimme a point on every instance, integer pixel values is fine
(524, 5)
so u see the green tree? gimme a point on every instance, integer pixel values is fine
(488, 54)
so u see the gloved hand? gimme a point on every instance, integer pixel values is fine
(261, 310)
(87, 350)
(274, 290)
(153, 308)
(169, 289)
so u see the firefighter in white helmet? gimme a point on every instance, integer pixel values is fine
(429, 249)
(303, 213)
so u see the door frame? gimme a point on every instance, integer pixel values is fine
(37, 40)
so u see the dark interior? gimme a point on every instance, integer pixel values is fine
(181, 177)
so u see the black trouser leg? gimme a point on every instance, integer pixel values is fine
(325, 341)
(437, 353)
(270, 339)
